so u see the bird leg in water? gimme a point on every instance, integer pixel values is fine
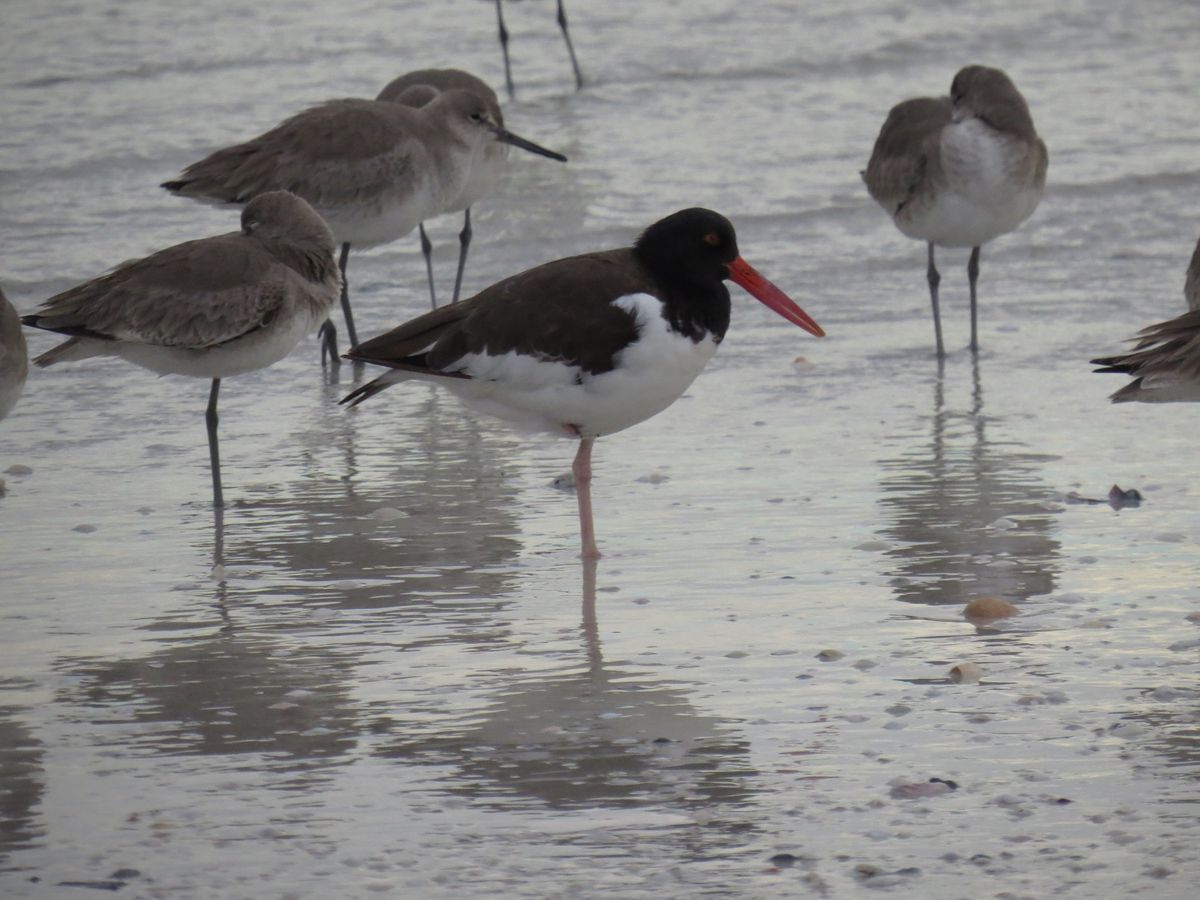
(562, 23)
(504, 48)
(350, 332)
(582, 470)
(427, 252)
(464, 242)
(934, 280)
(327, 334)
(214, 453)
(972, 277)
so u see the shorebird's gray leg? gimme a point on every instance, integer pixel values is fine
(214, 453)
(464, 242)
(427, 252)
(934, 280)
(504, 48)
(328, 332)
(972, 277)
(327, 335)
(562, 23)
(350, 332)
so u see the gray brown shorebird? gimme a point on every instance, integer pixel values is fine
(487, 166)
(1165, 363)
(209, 308)
(959, 171)
(588, 345)
(14, 359)
(373, 169)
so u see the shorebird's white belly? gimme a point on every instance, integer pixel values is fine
(14, 364)
(989, 188)
(378, 220)
(255, 351)
(10, 391)
(650, 374)
(388, 215)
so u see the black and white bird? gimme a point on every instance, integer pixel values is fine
(588, 345)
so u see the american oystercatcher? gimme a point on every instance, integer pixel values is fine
(588, 345)
(959, 171)
(373, 169)
(487, 166)
(14, 360)
(561, 18)
(209, 308)
(1165, 364)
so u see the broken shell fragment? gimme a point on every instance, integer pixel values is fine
(989, 608)
(966, 673)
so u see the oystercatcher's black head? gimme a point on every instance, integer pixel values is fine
(694, 245)
(690, 253)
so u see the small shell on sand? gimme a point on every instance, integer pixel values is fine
(966, 673)
(989, 608)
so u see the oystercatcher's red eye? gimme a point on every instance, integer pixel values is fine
(712, 239)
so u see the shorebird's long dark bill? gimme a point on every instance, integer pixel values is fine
(742, 273)
(503, 134)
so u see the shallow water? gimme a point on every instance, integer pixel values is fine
(383, 671)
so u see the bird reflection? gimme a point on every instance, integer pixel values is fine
(417, 522)
(589, 733)
(1173, 732)
(22, 784)
(222, 694)
(943, 502)
(282, 556)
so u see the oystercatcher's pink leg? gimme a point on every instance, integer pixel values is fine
(582, 469)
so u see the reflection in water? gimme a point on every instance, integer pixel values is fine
(223, 694)
(590, 734)
(1173, 717)
(22, 784)
(274, 671)
(943, 504)
(429, 516)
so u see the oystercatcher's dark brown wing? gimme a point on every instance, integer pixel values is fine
(561, 311)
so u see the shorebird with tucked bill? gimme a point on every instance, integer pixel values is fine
(14, 359)
(561, 18)
(487, 166)
(210, 308)
(959, 171)
(1165, 363)
(373, 169)
(588, 345)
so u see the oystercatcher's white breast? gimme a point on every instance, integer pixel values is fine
(542, 394)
